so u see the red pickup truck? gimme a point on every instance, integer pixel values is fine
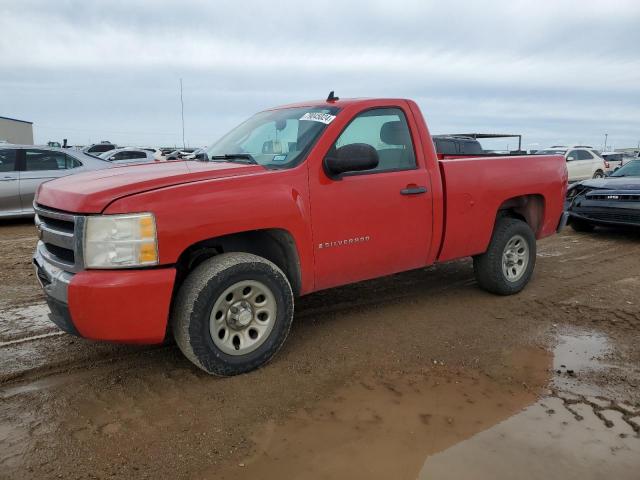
(296, 199)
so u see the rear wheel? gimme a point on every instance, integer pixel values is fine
(598, 174)
(507, 265)
(233, 313)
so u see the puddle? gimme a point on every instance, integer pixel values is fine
(384, 426)
(23, 322)
(465, 426)
(576, 433)
(574, 357)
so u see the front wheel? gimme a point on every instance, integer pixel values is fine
(233, 313)
(507, 265)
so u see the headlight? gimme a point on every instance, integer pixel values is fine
(120, 241)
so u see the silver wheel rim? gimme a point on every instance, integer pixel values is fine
(515, 258)
(242, 317)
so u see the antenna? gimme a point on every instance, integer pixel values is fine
(182, 112)
(332, 97)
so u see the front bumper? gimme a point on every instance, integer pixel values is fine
(55, 283)
(127, 306)
(604, 220)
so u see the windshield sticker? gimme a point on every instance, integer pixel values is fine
(279, 158)
(325, 118)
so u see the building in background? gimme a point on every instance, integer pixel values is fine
(16, 131)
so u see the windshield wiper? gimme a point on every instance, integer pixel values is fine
(235, 157)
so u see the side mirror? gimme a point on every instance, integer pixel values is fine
(354, 157)
(570, 159)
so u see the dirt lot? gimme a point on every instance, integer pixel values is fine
(418, 375)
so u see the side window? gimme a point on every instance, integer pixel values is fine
(386, 130)
(585, 155)
(572, 155)
(471, 147)
(101, 148)
(39, 160)
(71, 162)
(128, 155)
(446, 147)
(7, 160)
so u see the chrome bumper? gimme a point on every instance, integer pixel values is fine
(53, 280)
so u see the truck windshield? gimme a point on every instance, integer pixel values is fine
(276, 138)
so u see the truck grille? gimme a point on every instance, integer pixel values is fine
(611, 215)
(60, 238)
(619, 197)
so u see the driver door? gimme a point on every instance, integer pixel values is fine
(9, 182)
(375, 222)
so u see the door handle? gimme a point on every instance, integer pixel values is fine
(7, 179)
(413, 190)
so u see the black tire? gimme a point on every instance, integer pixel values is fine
(488, 266)
(196, 298)
(582, 226)
(598, 174)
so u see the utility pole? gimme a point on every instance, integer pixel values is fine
(606, 135)
(182, 112)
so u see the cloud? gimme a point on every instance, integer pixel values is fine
(547, 69)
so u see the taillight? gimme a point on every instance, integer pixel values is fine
(606, 164)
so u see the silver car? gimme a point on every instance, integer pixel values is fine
(129, 155)
(24, 167)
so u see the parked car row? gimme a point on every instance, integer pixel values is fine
(583, 161)
(24, 167)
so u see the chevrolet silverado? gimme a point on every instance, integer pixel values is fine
(296, 199)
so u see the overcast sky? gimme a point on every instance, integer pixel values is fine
(557, 71)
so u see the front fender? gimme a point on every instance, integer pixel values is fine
(191, 213)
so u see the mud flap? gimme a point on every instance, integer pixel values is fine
(563, 221)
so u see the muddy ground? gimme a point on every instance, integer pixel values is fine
(418, 375)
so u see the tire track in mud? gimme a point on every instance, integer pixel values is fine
(323, 304)
(555, 261)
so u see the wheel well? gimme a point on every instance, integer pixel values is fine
(276, 245)
(528, 208)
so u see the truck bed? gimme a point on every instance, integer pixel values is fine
(474, 188)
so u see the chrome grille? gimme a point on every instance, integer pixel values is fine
(615, 195)
(60, 238)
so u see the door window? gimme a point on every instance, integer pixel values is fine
(7, 160)
(584, 155)
(38, 160)
(128, 155)
(386, 130)
(446, 147)
(471, 147)
(101, 148)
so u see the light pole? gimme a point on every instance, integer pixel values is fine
(606, 135)
(182, 113)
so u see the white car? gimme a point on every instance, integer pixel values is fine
(128, 155)
(583, 162)
(157, 153)
(613, 160)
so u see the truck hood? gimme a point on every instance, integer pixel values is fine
(91, 192)
(611, 183)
